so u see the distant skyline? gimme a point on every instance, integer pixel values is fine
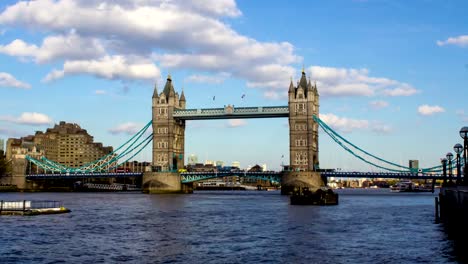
(392, 75)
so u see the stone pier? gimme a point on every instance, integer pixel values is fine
(164, 182)
(295, 179)
(18, 175)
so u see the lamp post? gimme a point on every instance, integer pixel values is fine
(464, 135)
(458, 148)
(444, 170)
(449, 157)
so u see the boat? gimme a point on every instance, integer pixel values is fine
(303, 196)
(402, 186)
(409, 186)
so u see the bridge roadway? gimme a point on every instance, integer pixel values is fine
(271, 175)
(231, 112)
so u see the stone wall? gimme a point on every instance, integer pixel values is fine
(293, 179)
(18, 175)
(164, 182)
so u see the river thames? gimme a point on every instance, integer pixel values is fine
(368, 226)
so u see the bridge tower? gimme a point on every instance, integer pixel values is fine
(303, 103)
(168, 133)
(168, 143)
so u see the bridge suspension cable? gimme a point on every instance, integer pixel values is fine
(106, 162)
(341, 141)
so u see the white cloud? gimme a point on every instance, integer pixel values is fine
(403, 90)
(7, 80)
(100, 92)
(108, 67)
(381, 128)
(176, 34)
(344, 124)
(462, 115)
(427, 110)
(70, 46)
(461, 41)
(29, 118)
(212, 79)
(129, 128)
(186, 34)
(236, 123)
(356, 82)
(378, 104)
(348, 125)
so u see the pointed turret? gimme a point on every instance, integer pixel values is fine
(168, 86)
(171, 92)
(315, 88)
(155, 93)
(291, 86)
(182, 99)
(303, 81)
(182, 96)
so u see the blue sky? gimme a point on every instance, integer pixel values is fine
(392, 75)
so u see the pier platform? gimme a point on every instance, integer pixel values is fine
(32, 207)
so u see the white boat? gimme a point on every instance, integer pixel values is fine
(402, 186)
(409, 186)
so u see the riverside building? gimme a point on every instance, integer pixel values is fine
(65, 143)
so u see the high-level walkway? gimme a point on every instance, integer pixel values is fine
(231, 112)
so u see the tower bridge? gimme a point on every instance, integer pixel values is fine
(170, 113)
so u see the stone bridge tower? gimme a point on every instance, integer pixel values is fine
(168, 143)
(168, 133)
(303, 102)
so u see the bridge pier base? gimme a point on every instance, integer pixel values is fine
(296, 179)
(164, 182)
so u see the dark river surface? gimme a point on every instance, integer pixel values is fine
(368, 226)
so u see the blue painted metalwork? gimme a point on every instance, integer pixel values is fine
(346, 145)
(383, 175)
(112, 160)
(188, 177)
(272, 176)
(64, 176)
(231, 112)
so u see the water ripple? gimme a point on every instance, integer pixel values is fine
(369, 226)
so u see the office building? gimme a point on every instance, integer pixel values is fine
(65, 143)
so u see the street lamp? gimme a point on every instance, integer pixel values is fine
(458, 148)
(444, 170)
(449, 158)
(464, 135)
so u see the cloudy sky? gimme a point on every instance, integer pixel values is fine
(392, 75)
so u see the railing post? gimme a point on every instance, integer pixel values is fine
(1, 206)
(24, 205)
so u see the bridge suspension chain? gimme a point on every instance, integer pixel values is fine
(340, 143)
(106, 162)
(339, 140)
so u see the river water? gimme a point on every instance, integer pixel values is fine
(368, 226)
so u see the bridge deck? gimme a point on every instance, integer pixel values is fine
(270, 175)
(229, 112)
